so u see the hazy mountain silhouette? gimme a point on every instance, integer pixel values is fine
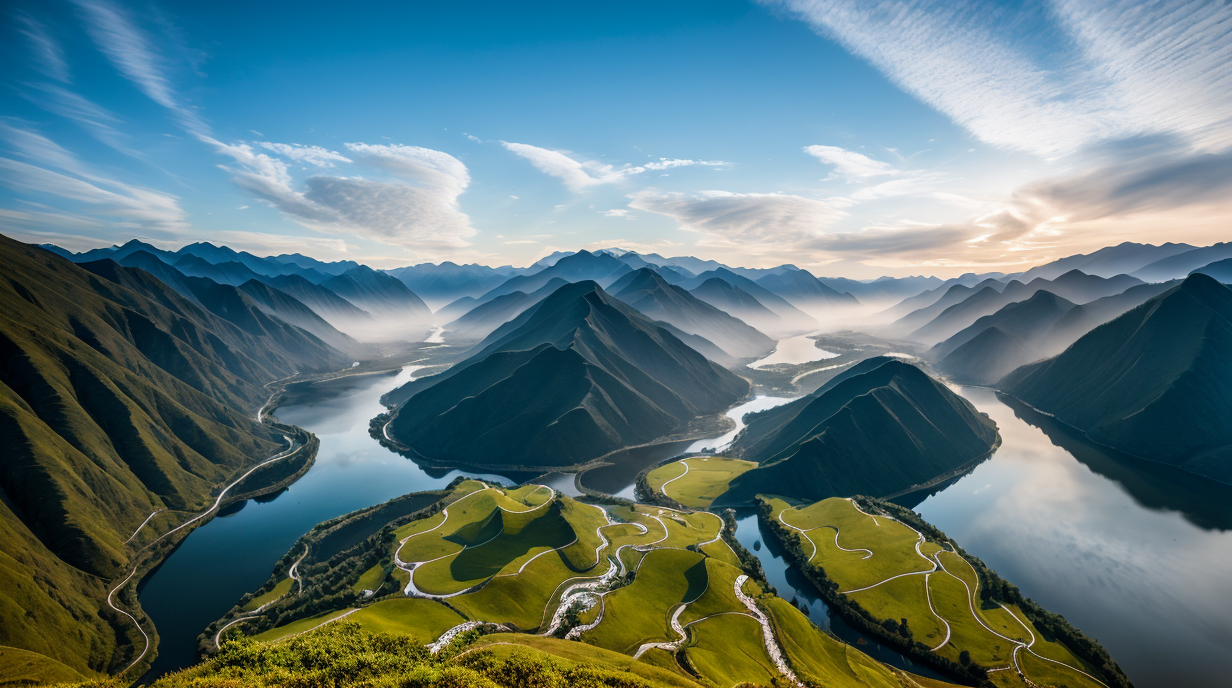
(1155, 382)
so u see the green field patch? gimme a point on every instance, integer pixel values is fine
(23, 667)
(515, 541)
(719, 595)
(372, 579)
(707, 478)
(951, 601)
(418, 526)
(904, 598)
(530, 495)
(419, 618)
(728, 650)
(1047, 673)
(638, 613)
(892, 543)
(520, 600)
(689, 529)
(283, 587)
(723, 552)
(300, 626)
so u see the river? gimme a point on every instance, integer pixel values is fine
(235, 552)
(1136, 555)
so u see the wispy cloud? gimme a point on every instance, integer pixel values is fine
(50, 170)
(850, 164)
(416, 206)
(1003, 73)
(48, 56)
(580, 175)
(132, 52)
(309, 155)
(749, 219)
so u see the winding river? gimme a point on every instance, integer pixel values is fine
(1135, 555)
(235, 552)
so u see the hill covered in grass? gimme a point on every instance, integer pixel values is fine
(576, 376)
(1155, 382)
(118, 397)
(878, 428)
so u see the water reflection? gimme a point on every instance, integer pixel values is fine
(232, 555)
(794, 350)
(1118, 550)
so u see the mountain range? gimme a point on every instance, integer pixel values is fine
(119, 396)
(575, 377)
(1154, 382)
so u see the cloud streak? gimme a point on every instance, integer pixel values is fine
(749, 219)
(850, 164)
(580, 175)
(1159, 67)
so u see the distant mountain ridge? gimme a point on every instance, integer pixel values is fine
(1154, 382)
(653, 297)
(578, 375)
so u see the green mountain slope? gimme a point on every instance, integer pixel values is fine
(118, 396)
(1155, 382)
(577, 376)
(881, 427)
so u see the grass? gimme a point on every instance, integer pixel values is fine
(515, 542)
(22, 667)
(720, 593)
(372, 579)
(638, 613)
(811, 653)
(283, 587)
(508, 643)
(729, 650)
(951, 589)
(419, 618)
(707, 478)
(892, 543)
(904, 598)
(299, 626)
(1049, 674)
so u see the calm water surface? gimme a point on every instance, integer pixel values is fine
(794, 350)
(235, 552)
(1137, 556)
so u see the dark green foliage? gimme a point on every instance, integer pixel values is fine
(880, 427)
(1155, 382)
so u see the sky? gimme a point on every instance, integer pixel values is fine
(852, 138)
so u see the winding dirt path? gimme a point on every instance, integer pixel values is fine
(291, 450)
(767, 633)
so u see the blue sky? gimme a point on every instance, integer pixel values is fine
(853, 138)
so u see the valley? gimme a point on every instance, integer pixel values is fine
(644, 540)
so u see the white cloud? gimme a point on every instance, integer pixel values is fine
(1005, 74)
(417, 207)
(581, 175)
(615, 212)
(311, 155)
(49, 58)
(749, 219)
(132, 52)
(850, 164)
(77, 182)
